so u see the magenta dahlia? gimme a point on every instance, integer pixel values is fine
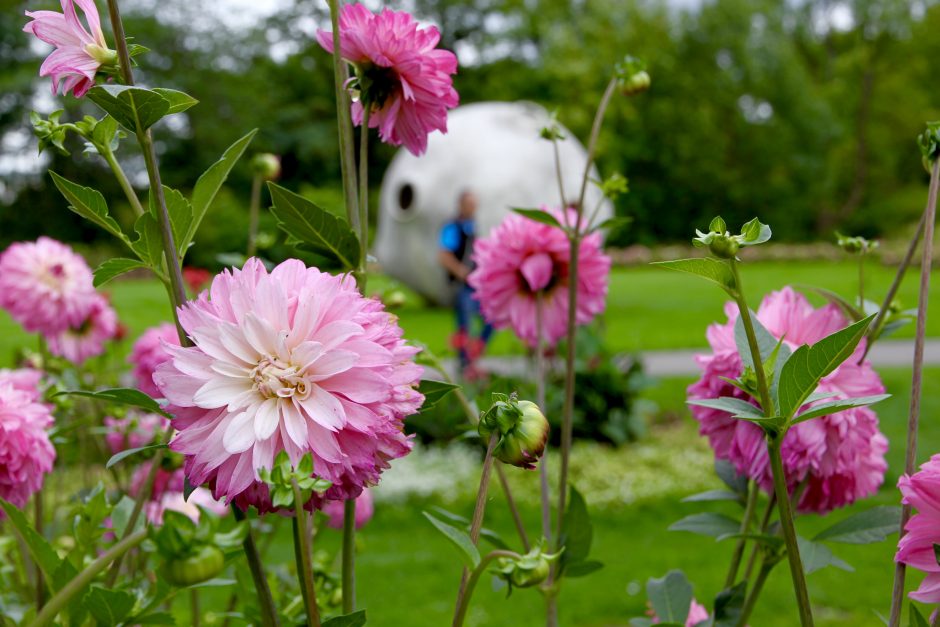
(87, 339)
(403, 77)
(294, 360)
(840, 457)
(147, 353)
(26, 454)
(916, 548)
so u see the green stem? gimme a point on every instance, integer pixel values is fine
(265, 600)
(753, 492)
(347, 154)
(755, 591)
(567, 415)
(349, 556)
(463, 601)
(764, 389)
(78, 583)
(254, 209)
(861, 282)
(917, 379)
(592, 142)
(194, 612)
(771, 503)
(540, 401)
(40, 584)
(513, 509)
(302, 554)
(364, 194)
(108, 155)
(561, 184)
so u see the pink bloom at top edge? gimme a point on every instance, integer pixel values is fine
(841, 456)
(148, 353)
(45, 286)
(294, 360)
(697, 613)
(922, 491)
(87, 339)
(23, 379)
(26, 454)
(411, 78)
(78, 53)
(522, 258)
(334, 510)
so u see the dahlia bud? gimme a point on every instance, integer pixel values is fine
(929, 142)
(855, 245)
(521, 427)
(723, 244)
(528, 570)
(266, 165)
(632, 76)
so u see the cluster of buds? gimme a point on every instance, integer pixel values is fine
(521, 428)
(527, 570)
(721, 243)
(855, 245)
(632, 76)
(280, 478)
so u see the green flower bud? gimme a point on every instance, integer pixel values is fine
(201, 565)
(528, 570)
(855, 245)
(521, 427)
(266, 165)
(632, 76)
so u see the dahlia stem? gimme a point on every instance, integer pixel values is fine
(194, 612)
(861, 282)
(463, 601)
(349, 556)
(78, 583)
(766, 401)
(540, 401)
(265, 600)
(347, 156)
(592, 142)
(752, 560)
(513, 509)
(364, 193)
(755, 591)
(751, 506)
(561, 184)
(930, 214)
(118, 171)
(40, 584)
(302, 555)
(254, 209)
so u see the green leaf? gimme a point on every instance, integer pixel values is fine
(89, 204)
(155, 618)
(316, 228)
(39, 548)
(122, 396)
(848, 308)
(179, 101)
(538, 215)
(114, 268)
(434, 392)
(915, 618)
(356, 619)
(737, 407)
(708, 524)
(208, 185)
(577, 532)
(754, 233)
(614, 224)
(766, 342)
(117, 457)
(709, 269)
(149, 242)
(105, 131)
(134, 107)
(717, 225)
(108, 607)
(181, 216)
(834, 407)
(583, 568)
(670, 596)
(713, 495)
(468, 552)
(802, 372)
(731, 477)
(817, 556)
(729, 604)
(121, 515)
(871, 525)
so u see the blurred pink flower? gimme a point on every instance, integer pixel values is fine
(295, 360)
(148, 353)
(78, 53)
(45, 286)
(88, 338)
(697, 614)
(168, 494)
(26, 454)
(839, 457)
(23, 379)
(916, 549)
(521, 260)
(133, 431)
(405, 78)
(364, 510)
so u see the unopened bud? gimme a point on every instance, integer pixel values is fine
(527, 570)
(632, 76)
(521, 427)
(266, 165)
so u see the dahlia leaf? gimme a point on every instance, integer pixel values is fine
(731, 477)
(106, 133)
(39, 548)
(817, 556)
(583, 569)
(577, 532)
(149, 242)
(113, 268)
(209, 184)
(179, 101)
(754, 232)
(117, 457)
(670, 596)
(801, 374)
(89, 204)
(135, 108)
(121, 515)
(122, 396)
(434, 391)
(109, 607)
(729, 603)
(315, 228)
(708, 524)
(834, 407)
(487, 534)
(538, 215)
(709, 269)
(180, 213)
(916, 619)
(356, 619)
(867, 527)
(766, 342)
(713, 495)
(848, 308)
(468, 552)
(737, 407)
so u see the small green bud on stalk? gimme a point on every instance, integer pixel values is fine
(855, 245)
(266, 165)
(528, 570)
(521, 427)
(632, 76)
(202, 565)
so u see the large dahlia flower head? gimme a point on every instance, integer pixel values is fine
(294, 360)
(840, 457)
(917, 548)
(26, 454)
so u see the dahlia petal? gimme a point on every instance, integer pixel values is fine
(218, 391)
(324, 409)
(267, 418)
(239, 434)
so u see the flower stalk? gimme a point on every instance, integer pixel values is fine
(466, 593)
(749, 510)
(265, 600)
(347, 155)
(349, 555)
(540, 401)
(254, 209)
(302, 555)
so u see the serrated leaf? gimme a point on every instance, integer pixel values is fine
(117, 457)
(713, 495)
(834, 407)
(670, 596)
(105, 132)
(538, 215)
(39, 548)
(816, 556)
(122, 396)
(468, 552)
(89, 204)
(712, 270)
(181, 216)
(434, 392)
(801, 373)
(149, 242)
(766, 342)
(577, 531)
(135, 108)
(179, 101)
(871, 525)
(708, 524)
(737, 407)
(356, 619)
(108, 607)
(315, 227)
(113, 268)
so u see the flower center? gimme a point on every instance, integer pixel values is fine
(275, 378)
(377, 84)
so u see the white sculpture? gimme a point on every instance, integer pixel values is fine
(491, 148)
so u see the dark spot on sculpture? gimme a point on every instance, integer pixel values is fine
(406, 197)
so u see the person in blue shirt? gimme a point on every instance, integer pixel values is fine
(456, 255)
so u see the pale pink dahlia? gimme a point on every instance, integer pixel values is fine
(26, 454)
(403, 77)
(45, 285)
(521, 260)
(78, 53)
(167, 494)
(135, 430)
(335, 510)
(86, 339)
(148, 353)
(839, 457)
(916, 548)
(294, 360)
(23, 379)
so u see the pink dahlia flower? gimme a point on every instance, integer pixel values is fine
(916, 548)
(404, 78)
(294, 360)
(78, 53)
(697, 614)
(26, 454)
(840, 457)
(522, 260)
(133, 431)
(88, 338)
(167, 494)
(335, 511)
(45, 285)
(23, 379)
(148, 353)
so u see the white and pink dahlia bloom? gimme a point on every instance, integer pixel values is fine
(336, 512)
(522, 260)
(45, 286)
(840, 457)
(294, 360)
(916, 549)
(78, 53)
(26, 454)
(147, 353)
(87, 339)
(407, 78)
